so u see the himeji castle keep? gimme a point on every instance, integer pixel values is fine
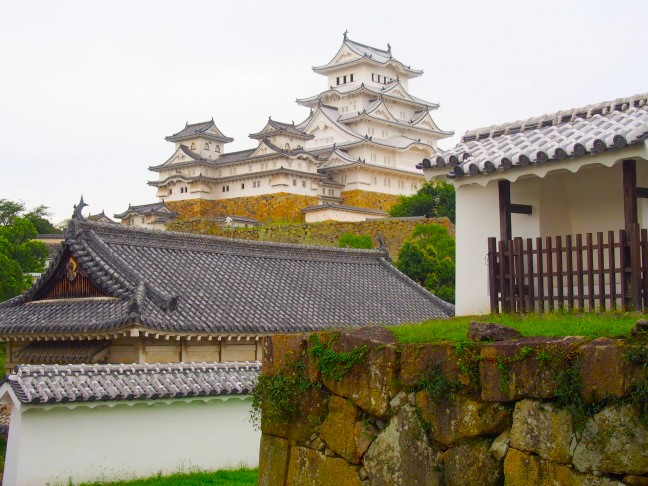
(350, 159)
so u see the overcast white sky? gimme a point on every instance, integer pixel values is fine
(89, 89)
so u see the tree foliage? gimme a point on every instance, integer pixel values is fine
(350, 240)
(433, 199)
(19, 252)
(428, 257)
(39, 216)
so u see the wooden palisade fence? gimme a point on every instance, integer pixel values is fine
(601, 271)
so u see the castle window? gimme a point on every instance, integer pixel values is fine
(351, 78)
(243, 185)
(287, 146)
(344, 78)
(294, 182)
(193, 146)
(170, 191)
(323, 191)
(338, 80)
(331, 192)
(303, 183)
(206, 146)
(217, 148)
(142, 220)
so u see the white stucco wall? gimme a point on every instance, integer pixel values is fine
(50, 445)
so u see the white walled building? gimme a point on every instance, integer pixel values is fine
(549, 182)
(358, 147)
(145, 419)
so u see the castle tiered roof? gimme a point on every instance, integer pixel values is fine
(357, 53)
(167, 283)
(392, 91)
(273, 128)
(207, 130)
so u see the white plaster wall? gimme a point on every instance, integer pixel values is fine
(331, 214)
(477, 220)
(85, 444)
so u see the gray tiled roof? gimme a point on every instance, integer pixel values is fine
(281, 128)
(202, 129)
(158, 208)
(184, 283)
(374, 54)
(44, 352)
(578, 132)
(47, 384)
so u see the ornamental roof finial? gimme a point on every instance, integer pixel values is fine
(345, 34)
(78, 208)
(389, 47)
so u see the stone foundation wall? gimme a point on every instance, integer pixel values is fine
(366, 199)
(531, 411)
(327, 233)
(268, 207)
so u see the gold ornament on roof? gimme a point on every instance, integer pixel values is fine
(71, 268)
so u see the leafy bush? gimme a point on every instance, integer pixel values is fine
(433, 199)
(350, 240)
(428, 257)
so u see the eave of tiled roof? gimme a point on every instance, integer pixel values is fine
(280, 128)
(196, 130)
(52, 384)
(370, 54)
(342, 207)
(568, 134)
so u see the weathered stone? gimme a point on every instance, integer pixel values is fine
(418, 360)
(632, 480)
(470, 463)
(508, 374)
(364, 433)
(543, 429)
(306, 420)
(338, 430)
(605, 371)
(311, 468)
(282, 350)
(522, 469)
(402, 454)
(372, 383)
(640, 327)
(613, 441)
(273, 460)
(462, 417)
(500, 445)
(489, 331)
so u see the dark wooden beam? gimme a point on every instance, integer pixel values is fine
(642, 192)
(521, 209)
(505, 210)
(629, 193)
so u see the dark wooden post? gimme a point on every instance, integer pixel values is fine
(492, 277)
(629, 193)
(631, 229)
(505, 210)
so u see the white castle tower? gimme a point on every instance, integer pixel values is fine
(348, 160)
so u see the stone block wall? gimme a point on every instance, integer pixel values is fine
(371, 200)
(356, 408)
(327, 233)
(267, 207)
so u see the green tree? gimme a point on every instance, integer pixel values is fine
(433, 199)
(350, 240)
(428, 257)
(19, 253)
(40, 218)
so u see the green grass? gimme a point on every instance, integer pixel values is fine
(590, 325)
(233, 477)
